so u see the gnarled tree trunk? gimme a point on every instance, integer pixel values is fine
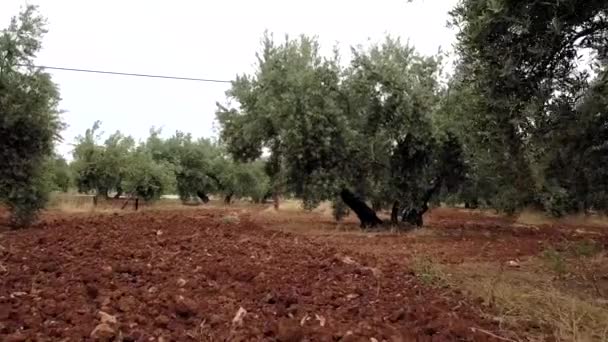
(275, 200)
(228, 198)
(202, 196)
(366, 215)
(395, 213)
(118, 192)
(414, 215)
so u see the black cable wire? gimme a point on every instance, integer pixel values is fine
(132, 74)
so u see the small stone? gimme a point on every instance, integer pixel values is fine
(269, 298)
(18, 294)
(181, 282)
(321, 320)
(513, 263)
(238, 318)
(106, 318)
(103, 332)
(292, 309)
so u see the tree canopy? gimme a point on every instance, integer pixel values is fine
(528, 75)
(367, 127)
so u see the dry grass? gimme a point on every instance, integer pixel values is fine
(77, 203)
(71, 203)
(528, 301)
(531, 217)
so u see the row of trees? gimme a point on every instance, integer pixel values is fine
(30, 125)
(523, 121)
(191, 168)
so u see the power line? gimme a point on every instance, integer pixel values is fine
(132, 74)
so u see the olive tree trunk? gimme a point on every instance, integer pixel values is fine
(366, 215)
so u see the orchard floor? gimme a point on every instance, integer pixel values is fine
(252, 274)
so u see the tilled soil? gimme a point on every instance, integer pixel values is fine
(208, 276)
(450, 236)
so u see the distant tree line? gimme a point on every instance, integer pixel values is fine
(193, 169)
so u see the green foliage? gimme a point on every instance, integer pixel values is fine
(60, 173)
(101, 168)
(339, 209)
(586, 248)
(118, 165)
(368, 127)
(556, 261)
(573, 154)
(147, 178)
(29, 119)
(241, 179)
(203, 167)
(521, 105)
(287, 107)
(192, 159)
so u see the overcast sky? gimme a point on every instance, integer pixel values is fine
(204, 39)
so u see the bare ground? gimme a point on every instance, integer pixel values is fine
(184, 275)
(180, 276)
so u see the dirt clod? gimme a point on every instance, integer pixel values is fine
(103, 332)
(185, 307)
(162, 321)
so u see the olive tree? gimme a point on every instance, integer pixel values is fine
(344, 134)
(532, 109)
(29, 119)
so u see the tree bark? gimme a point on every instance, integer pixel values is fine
(473, 204)
(395, 213)
(414, 215)
(118, 192)
(202, 196)
(275, 200)
(366, 215)
(125, 204)
(376, 205)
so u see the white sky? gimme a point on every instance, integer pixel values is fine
(203, 39)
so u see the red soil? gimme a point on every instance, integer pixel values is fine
(184, 275)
